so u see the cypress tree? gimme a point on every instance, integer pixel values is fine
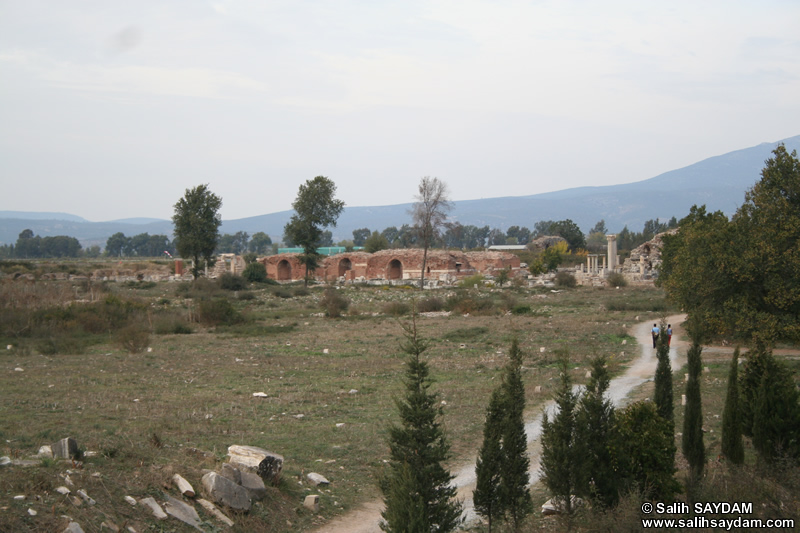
(486, 497)
(692, 441)
(732, 445)
(417, 491)
(776, 416)
(663, 377)
(598, 478)
(559, 468)
(514, 469)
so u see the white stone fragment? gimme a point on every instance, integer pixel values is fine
(183, 486)
(86, 498)
(158, 512)
(32, 512)
(130, 499)
(317, 479)
(211, 508)
(63, 490)
(260, 395)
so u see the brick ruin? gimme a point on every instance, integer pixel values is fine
(393, 266)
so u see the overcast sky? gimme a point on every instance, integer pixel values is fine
(112, 109)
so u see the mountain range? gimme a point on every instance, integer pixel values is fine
(719, 182)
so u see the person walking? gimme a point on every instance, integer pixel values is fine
(655, 331)
(669, 334)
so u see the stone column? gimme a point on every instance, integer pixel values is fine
(612, 252)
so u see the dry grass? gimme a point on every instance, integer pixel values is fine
(178, 408)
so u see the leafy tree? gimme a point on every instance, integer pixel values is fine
(514, 469)
(522, 234)
(559, 458)
(117, 245)
(391, 233)
(260, 243)
(375, 243)
(542, 228)
(692, 441)
(28, 245)
(595, 423)
(197, 221)
(663, 377)
(732, 445)
(570, 232)
(645, 454)
(496, 237)
(600, 227)
(255, 272)
(417, 490)
(740, 277)
(360, 236)
(315, 208)
(59, 246)
(326, 239)
(429, 215)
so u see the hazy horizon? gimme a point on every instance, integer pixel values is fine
(114, 110)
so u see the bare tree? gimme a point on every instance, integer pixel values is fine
(429, 215)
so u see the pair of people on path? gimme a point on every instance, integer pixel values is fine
(656, 331)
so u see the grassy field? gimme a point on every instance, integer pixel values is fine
(155, 380)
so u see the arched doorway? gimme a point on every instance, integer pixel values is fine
(345, 265)
(394, 270)
(284, 271)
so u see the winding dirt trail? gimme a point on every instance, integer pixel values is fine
(366, 518)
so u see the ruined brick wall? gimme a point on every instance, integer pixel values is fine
(392, 265)
(349, 265)
(284, 267)
(492, 262)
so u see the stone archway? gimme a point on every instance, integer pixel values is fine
(345, 265)
(394, 270)
(284, 271)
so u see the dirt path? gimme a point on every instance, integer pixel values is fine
(366, 518)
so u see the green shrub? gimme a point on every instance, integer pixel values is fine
(333, 303)
(171, 325)
(133, 338)
(462, 334)
(396, 308)
(521, 309)
(466, 303)
(232, 282)
(471, 281)
(255, 272)
(63, 344)
(301, 291)
(247, 295)
(281, 293)
(565, 279)
(430, 305)
(616, 279)
(218, 311)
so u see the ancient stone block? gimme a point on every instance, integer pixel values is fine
(224, 491)
(65, 449)
(266, 464)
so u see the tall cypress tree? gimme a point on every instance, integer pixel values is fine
(486, 497)
(559, 461)
(514, 469)
(417, 491)
(776, 416)
(732, 444)
(692, 441)
(663, 377)
(598, 478)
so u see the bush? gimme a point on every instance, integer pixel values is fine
(396, 308)
(301, 291)
(255, 272)
(232, 282)
(282, 293)
(217, 312)
(430, 305)
(521, 309)
(471, 281)
(565, 279)
(133, 338)
(465, 303)
(333, 303)
(616, 279)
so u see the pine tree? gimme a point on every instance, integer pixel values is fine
(486, 497)
(595, 428)
(558, 444)
(502, 468)
(514, 470)
(692, 441)
(417, 491)
(732, 445)
(663, 377)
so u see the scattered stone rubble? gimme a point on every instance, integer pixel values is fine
(235, 486)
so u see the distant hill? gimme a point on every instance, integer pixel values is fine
(718, 182)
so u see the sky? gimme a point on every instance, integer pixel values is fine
(112, 109)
